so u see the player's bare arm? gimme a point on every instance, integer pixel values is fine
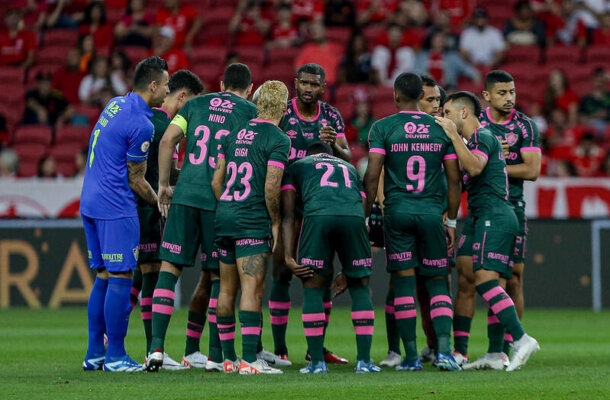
(471, 162)
(168, 143)
(273, 184)
(288, 234)
(529, 169)
(174, 173)
(137, 182)
(340, 147)
(219, 177)
(454, 192)
(371, 180)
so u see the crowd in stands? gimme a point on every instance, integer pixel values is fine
(61, 60)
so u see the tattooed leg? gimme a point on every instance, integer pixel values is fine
(252, 271)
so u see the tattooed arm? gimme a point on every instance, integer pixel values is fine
(272, 198)
(137, 182)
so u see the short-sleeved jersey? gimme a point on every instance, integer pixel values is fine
(414, 147)
(204, 120)
(123, 132)
(490, 188)
(522, 136)
(326, 185)
(303, 132)
(242, 211)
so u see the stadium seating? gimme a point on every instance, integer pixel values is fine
(59, 37)
(33, 134)
(11, 75)
(77, 135)
(29, 154)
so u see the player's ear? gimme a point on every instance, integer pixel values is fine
(222, 86)
(249, 90)
(485, 95)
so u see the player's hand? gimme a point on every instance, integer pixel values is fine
(301, 271)
(505, 148)
(328, 135)
(448, 126)
(450, 238)
(339, 285)
(164, 200)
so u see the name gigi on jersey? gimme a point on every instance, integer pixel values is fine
(422, 147)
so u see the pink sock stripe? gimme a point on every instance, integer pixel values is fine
(441, 298)
(313, 317)
(212, 318)
(194, 324)
(146, 301)
(251, 330)
(135, 292)
(318, 331)
(461, 334)
(164, 293)
(508, 337)
(225, 327)
(502, 305)
(213, 303)
(364, 330)
(493, 292)
(365, 314)
(146, 315)
(492, 319)
(405, 314)
(162, 309)
(389, 309)
(400, 301)
(327, 305)
(279, 305)
(193, 333)
(279, 320)
(226, 336)
(441, 312)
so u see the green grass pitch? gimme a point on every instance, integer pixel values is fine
(41, 353)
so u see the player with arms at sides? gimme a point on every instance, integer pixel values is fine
(330, 192)
(183, 86)
(247, 184)
(203, 120)
(116, 168)
(419, 163)
(307, 120)
(494, 224)
(523, 161)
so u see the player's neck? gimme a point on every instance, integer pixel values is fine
(469, 127)
(499, 117)
(308, 111)
(412, 106)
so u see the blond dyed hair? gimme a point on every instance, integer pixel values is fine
(271, 100)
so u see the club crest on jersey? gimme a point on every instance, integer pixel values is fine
(512, 138)
(144, 147)
(324, 122)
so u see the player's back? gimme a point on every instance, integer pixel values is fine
(326, 185)
(415, 148)
(123, 132)
(205, 120)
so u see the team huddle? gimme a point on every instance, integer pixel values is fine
(270, 182)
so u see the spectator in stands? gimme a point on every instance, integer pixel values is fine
(562, 168)
(411, 13)
(594, 107)
(163, 46)
(480, 43)
(65, 13)
(95, 23)
(47, 167)
(251, 23)
(135, 28)
(308, 10)
(604, 170)
(68, 77)
(459, 11)
(524, 28)
(45, 105)
(361, 120)
(445, 66)
(9, 163)
(578, 20)
(284, 32)
(80, 161)
(392, 58)
(588, 156)
(120, 67)
(322, 52)
(558, 94)
(339, 13)
(375, 12)
(87, 51)
(100, 85)
(184, 20)
(440, 23)
(601, 35)
(355, 65)
(35, 14)
(17, 44)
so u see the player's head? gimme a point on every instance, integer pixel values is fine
(431, 100)
(256, 95)
(461, 107)
(318, 148)
(310, 83)
(183, 86)
(151, 79)
(238, 79)
(500, 91)
(272, 100)
(408, 87)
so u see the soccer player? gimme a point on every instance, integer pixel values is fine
(330, 191)
(203, 120)
(417, 157)
(247, 184)
(183, 86)
(494, 224)
(116, 168)
(307, 120)
(523, 163)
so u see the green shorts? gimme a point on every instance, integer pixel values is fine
(323, 235)
(494, 241)
(464, 245)
(416, 241)
(230, 249)
(150, 234)
(188, 230)
(518, 255)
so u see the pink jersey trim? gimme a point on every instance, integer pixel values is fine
(289, 187)
(340, 134)
(296, 111)
(278, 164)
(164, 110)
(508, 121)
(412, 112)
(479, 152)
(450, 157)
(378, 151)
(363, 195)
(262, 120)
(530, 149)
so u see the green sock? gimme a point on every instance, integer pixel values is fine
(495, 333)
(215, 349)
(441, 312)
(461, 333)
(363, 319)
(136, 287)
(405, 313)
(226, 332)
(279, 306)
(502, 306)
(390, 324)
(250, 322)
(313, 318)
(162, 307)
(194, 328)
(149, 281)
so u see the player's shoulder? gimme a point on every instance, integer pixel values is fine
(328, 108)
(524, 119)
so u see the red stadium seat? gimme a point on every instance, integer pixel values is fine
(523, 54)
(135, 53)
(52, 55)
(281, 72)
(211, 56)
(65, 151)
(11, 75)
(251, 55)
(60, 37)
(563, 54)
(338, 35)
(91, 112)
(280, 55)
(33, 134)
(599, 54)
(29, 154)
(77, 135)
